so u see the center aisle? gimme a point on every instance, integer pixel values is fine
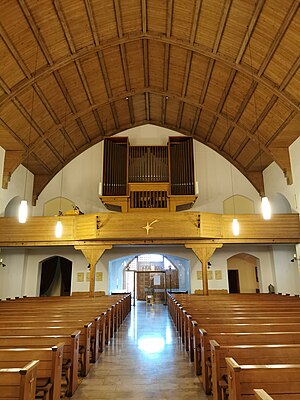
(145, 361)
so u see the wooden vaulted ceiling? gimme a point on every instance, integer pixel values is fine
(72, 72)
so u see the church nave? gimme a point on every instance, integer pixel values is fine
(145, 360)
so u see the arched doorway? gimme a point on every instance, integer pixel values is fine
(243, 273)
(56, 275)
(175, 272)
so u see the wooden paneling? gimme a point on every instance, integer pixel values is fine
(165, 226)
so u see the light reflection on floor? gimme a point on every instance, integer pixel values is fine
(154, 342)
(145, 361)
(151, 345)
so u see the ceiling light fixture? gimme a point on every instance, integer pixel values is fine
(23, 208)
(59, 225)
(265, 204)
(235, 226)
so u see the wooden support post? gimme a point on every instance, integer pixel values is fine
(203, 253)
(93, 253)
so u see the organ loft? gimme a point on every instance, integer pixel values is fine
(139, 178)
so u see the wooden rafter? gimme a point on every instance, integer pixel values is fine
(170, 6)
(82, 54)
(189, 58)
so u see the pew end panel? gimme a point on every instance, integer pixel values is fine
(260, 394)
(19, 384)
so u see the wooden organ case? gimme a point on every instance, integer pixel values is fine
(139, 178)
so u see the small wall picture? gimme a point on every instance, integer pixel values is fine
(80, 276)
(199, 275)
(87, 278)
(99, 276)
(210, 275)
(218, 275)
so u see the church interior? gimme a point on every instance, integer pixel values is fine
(150, 198)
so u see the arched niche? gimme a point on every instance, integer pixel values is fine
(238, 204)
(55, 276)
(12, 208)
(280, 204)
(243, 273)
(53, 206)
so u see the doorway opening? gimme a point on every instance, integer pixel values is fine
(233, 281)
(243, 273)
(56, 276)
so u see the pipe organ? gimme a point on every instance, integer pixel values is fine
(148, 177)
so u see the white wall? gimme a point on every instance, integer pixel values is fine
(287, 273)
(16, 187)
(276, 182)
(12, 275)
(81, 179)
(80, 182)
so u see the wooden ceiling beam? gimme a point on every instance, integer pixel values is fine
(170, 7)
(234, 122)
(92, 21)
(281, 128)
(98, 121)
(165, 82)
(15, 53)
(44, 71)
(184, 85)
(94, 31)
(290, 74)
(13, 134)
(107, 87)
(63, 22)
(281, 32)
(63, 88)
(221, 104)
(35, 31)
(124, 59)
(147, 105)
(12, 159)
(210, 68)
(189, 58)
(71, 117)
(251, 26)
(144, 16)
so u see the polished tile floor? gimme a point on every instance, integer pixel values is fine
(144, 361)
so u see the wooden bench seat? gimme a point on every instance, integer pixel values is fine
(49, 369)
(37, 321)
(267, 323)
(84, 340)
(246, 354)
(70, 354)
(273, 378)
(203, 353)
(19, 383)
(260, 394)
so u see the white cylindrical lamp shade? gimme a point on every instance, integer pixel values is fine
(235, 227)
(266, 208)
(23, 212)
(58, 229)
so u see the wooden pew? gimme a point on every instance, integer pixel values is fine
(273, 378)
(236, 338)
(49, 369)
(84, 339)
(260, 394)
(19, 384)
(17, 321)
(70, 354)
(246, 354)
